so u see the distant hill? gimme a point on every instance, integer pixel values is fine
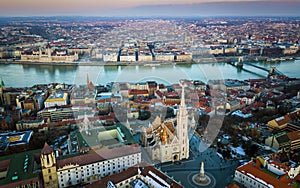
(252, 8)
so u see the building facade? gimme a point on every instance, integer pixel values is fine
(86, 168)
(49, 55)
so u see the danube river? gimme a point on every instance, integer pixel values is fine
(21, 75)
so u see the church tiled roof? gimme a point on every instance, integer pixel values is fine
(47, 149)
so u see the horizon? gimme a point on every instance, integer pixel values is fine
(134, 8)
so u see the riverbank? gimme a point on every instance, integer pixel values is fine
(151, 63)
(98, 63)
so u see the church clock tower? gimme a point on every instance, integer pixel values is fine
(48, 163)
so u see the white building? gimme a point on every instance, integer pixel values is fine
(87, 168)
(111, 57)
(266, 173)
(139, 176)
(127, 58)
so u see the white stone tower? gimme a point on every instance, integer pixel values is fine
(182, 128)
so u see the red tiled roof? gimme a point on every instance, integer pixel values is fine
(138, 92)
(295, 135)
(47, 149)
(284, 121)
(4, 165)
(171, 103)
(233, 186)
(171, 94)
(100, 155)
(159, 93)
(250, 169)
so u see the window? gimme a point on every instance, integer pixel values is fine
(49, 170)
(50, 177)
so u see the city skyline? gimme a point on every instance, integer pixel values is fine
(151, 8)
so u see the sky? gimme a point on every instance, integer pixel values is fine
(149, 7)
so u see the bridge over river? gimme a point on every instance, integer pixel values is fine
(272, 70)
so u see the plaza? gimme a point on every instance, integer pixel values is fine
(219, 170)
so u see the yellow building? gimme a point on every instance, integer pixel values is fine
(294, 139)
(230, 50)
(164, 57)
(278, 141)
(285, 122)
(216, 50)
(145, 58)
(48, 163)
(184, 57)
(56, 99)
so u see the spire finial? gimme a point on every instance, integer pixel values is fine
(182, 102)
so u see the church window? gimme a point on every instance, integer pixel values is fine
(49, 170)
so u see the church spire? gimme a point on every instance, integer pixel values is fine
(89, 84)
(182, 127)
(87, 79)
(182, 102)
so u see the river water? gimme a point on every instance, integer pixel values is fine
(21, 75)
